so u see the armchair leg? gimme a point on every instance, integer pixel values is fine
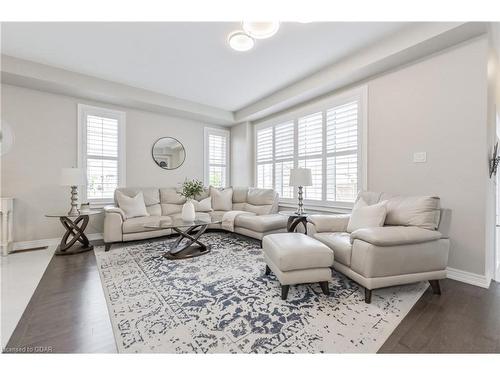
(107, 246)
(436, 288)
(268, 270)
(284, 291)
(368, 295)
(324, 287)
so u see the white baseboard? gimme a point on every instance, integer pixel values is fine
(468, 277)
(26, 245)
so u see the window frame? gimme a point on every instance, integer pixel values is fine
(322, 105)
(207, 131)
(85, 110)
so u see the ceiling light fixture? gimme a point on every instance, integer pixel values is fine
(240, 41)
(261, 30)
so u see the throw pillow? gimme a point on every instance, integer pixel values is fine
(132, 206)
(364, 216)
(205, 205)
(222, 200)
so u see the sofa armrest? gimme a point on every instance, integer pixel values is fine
(329, 223)
(114, 210)
(396, 235)
(113, 221)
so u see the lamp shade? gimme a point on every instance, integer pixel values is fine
(300, 177)
(72, 177)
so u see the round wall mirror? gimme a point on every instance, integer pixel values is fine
(168, 153)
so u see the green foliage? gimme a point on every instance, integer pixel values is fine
(191, 188)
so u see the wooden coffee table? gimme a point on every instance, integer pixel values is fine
(188, 244)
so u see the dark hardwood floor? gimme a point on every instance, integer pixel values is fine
(68, 313)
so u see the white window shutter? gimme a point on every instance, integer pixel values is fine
(217, 143)
(102, 142)
(327, 141)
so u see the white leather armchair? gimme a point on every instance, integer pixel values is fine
(389, 255)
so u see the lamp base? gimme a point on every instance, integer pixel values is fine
(300, 210)
(74, 199)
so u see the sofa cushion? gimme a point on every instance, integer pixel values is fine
(151, 195)
(365, 216)
(261, 223)
(217, 215)
(205, 205)
(329, 223)
(259, 210)
(239, 206)
(240, 194)
(199, 216)
(132, 206)
(154, 210)
(171, 196)
(340, 243)
(296, 251)
(136, 224)
(222, 200)
(259, 197)
(418, 211)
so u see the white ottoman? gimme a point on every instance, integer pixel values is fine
(297, 259)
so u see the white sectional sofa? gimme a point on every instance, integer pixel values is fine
(409, 247)
(260, 205)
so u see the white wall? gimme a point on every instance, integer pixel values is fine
(437, 105)
(45, 130)
(242, 148)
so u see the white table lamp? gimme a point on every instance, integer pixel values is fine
(300, 177)
(73, 177)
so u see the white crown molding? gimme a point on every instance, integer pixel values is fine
(404, 47)
(468, 277)
(42, 77)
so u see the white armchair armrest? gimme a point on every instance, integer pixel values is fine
(114, 209)
(397, 235)
(329, 223)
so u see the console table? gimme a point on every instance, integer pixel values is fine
(6, 217)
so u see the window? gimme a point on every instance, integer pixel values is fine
(327, 138)
(216, 157)
(101, 134)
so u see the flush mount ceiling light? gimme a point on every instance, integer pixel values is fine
(261, 30)
(240, 41)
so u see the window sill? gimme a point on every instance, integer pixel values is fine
(100, 205)
(318, 208)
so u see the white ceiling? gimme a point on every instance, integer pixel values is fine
(191, 61)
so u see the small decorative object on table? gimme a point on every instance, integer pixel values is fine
(73, 177)
(300, 177)
(190, 189)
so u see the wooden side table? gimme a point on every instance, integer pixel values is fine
(75, 228)
(294, 219)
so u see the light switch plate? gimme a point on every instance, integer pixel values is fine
(420, 157)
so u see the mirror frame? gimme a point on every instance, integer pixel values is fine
(158, 164)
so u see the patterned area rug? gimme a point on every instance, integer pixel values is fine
(223, 302)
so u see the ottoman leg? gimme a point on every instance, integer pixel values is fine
(268, 270)
(324, 287)
(284, 291)
(368, 295)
